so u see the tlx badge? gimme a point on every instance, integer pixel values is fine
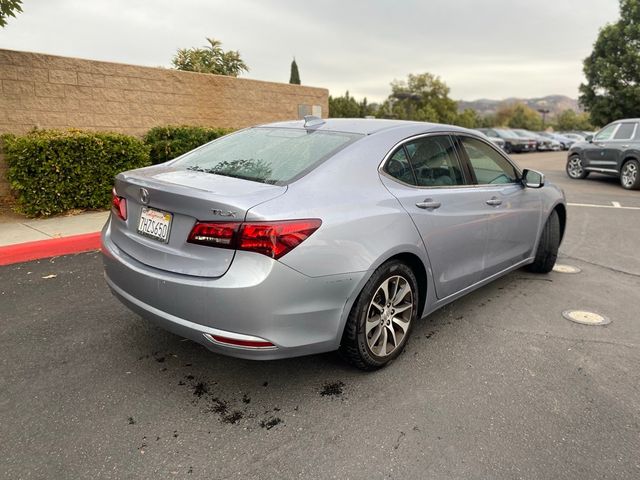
(223, 213)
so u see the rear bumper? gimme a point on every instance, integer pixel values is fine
(257, 297)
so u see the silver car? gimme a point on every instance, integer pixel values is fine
(309, 236)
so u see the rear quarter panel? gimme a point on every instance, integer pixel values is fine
(362, 223)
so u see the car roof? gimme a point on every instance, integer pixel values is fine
(366, 126)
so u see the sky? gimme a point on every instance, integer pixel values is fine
(481, 49)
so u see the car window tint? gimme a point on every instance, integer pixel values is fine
(489, 166)
(398, 167)
(435, 162)
(264, 154)
(606, 133)
(625, 132)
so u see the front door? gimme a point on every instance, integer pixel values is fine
(512, 211)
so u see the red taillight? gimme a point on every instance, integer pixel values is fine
(214, 234)
(273, 239)
(119, 205)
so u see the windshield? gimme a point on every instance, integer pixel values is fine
(267, 155)
(506, 133)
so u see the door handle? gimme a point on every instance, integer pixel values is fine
(625, 146)
(429, 204)
(494, 202)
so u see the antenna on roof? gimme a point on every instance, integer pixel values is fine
(311, 121)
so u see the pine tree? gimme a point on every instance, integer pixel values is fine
(295, 75)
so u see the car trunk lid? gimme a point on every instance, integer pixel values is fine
(182, 197)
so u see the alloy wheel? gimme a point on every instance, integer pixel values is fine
(629, 174)
(389, 316)
(575, 167)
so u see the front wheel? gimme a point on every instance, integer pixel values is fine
(547, 252)
(381, 319)
(630, 176)
(575, 169)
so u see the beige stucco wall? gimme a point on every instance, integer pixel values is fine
(48, 91)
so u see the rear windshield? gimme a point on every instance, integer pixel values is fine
(267, 155)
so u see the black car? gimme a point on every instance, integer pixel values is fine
(513, 142)
(614, 150)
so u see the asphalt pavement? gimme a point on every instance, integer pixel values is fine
(495, 386)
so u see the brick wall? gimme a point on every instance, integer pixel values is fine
(48, 91)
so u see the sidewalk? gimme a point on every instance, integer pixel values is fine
(23, 239)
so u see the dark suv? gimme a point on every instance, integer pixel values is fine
(614, 150)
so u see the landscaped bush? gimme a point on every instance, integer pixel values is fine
(55, 171)
(169, 142)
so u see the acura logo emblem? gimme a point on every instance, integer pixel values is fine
(144, 196)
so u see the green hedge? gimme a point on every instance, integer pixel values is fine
(167, 143)
(55, 171)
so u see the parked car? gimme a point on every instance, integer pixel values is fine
(578, 137)
(499, 142)
(513, 143)
(614, 150)
(308, 236)
(543, 144)
(565, 142)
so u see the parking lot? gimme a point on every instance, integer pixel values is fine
(496, 385)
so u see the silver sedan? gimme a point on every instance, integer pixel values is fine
(302, 237)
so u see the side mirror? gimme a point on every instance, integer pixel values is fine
(532, 178)
(589, 138)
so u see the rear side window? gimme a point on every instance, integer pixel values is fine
(399, 168)
(625, 132)
(435, 162)
(266, 155)
(488, 165)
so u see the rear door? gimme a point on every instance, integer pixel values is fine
(426, 175)
(512, 212)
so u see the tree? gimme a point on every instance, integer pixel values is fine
(612, 70)
(344, 107)
(422, 97)
(525, 117)
(210, 59)
(468, 119)
(518, 115)
(295, 75)
(570, 120)
(9, 8)
(348, 107)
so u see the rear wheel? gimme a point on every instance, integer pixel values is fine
(547, 252)
(630, 175)
(575, 169)
(381, 319)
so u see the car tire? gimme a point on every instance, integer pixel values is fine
(374, 322)
(508, 148)
(630, 175)
(574, 168)
(547, 251)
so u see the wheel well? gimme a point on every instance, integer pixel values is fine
(626, 160)
(562, 216)
(414, 262)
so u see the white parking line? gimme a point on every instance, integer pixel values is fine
(616, 204)
(590, 205)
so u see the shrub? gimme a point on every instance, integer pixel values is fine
(55, 171)
(167, 143)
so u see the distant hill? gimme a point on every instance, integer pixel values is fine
(554, 103)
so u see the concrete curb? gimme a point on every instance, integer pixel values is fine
(24, 252)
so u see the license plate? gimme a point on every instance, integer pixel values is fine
(155, 224)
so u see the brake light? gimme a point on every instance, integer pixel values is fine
(119, 205)
(273, 239)
(214, 234)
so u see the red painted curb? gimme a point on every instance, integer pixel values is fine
(23, 252)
